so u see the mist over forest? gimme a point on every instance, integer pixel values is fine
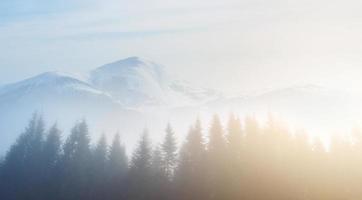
(180, 100)
(245, 159)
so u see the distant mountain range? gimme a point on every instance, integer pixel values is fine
(112, 98)
(133, 93)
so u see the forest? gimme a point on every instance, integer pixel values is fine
(244, 159)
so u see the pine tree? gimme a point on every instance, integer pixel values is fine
(117, 160)
(190, 175)
(100, 154)
(52, 147)
(169, 151)
(158, 171)
(217, 160)
(158, 176)
(235, 149)
(117, 169)
(140, 171)
(217, 142)
(98, 169)
(141, 158)
(51, 157)
(22, 164)
(75, 163)
(234, 137)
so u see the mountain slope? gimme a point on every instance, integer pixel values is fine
(136, 82)
(132, 81)
(125, 95)
(59, 97)
(132, 93)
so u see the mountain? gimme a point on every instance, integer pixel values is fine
(137, 82)
(47, 86)
(125, 96)
(59, 97)
(133, 93)
(132, 81)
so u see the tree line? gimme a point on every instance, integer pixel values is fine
(244, 160)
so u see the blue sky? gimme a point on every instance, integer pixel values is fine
(235, 42)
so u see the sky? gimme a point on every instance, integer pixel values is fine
(230, 45)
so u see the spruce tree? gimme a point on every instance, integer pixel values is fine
(76, 163)
(157, 168)
(169, 151)
(235, 151)
(22, 165)
(117, 159)
(52, 147)
(217, 160)
(140, 171)
(234, 136)
(100, 153)
(98, 169)
(158, 175)
(190, 176)
(117, 169)
(51, 158)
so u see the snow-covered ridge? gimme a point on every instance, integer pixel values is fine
(128, 64)
(115, 96)
(131, 82)
(138, 82)
(131, 93)
(59, 81)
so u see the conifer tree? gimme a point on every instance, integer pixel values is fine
(100, 154)
(140, 170)
(52, 147)
(235, 149)
(76, 163)
(51, 157)
(159, 186)
(217, 160)
(21, 168)
(190, 175)
(98, 169)
(234, 136)
(117, 169)
(117, 159)
(217, 143)
(157, 163)
(169, 150)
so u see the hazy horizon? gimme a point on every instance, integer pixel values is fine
(243, 46)
(181, 100)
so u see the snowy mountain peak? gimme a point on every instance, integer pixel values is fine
(132, 81)
(130, 61)
(47, 83)
(131, 64)
(51, 78)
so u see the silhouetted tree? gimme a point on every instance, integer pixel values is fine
(217, 160)
(117, 169)
(234, 137)
(236, 145)
(51, 157)
(22, 163)
(75, 164)
(169, 150)
(140, 170)
(52, 147)
(159, 186)
(190, 174)
(98, 169)
(252, 162)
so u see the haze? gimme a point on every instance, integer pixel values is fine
(242, 45)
